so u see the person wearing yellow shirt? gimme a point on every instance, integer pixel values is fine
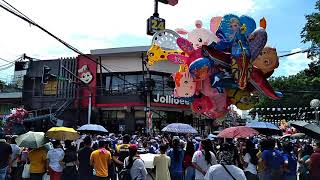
(100, 159)
(38, 159)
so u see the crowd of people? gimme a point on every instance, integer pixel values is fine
(175, 157)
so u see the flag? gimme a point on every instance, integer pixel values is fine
(149, 120)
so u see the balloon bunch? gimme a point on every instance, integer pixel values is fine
(15, 118)
(225, 65)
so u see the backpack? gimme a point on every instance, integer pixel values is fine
(125, 172)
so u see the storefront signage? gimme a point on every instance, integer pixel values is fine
(85, 74)
(170, 100)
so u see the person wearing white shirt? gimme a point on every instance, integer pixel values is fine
(250, 161)
(225, 170)
(55, 157)
(203, 159)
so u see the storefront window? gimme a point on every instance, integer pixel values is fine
(158, 89)
(117, 84)
(131, 84)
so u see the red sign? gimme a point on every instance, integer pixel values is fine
(87, 72)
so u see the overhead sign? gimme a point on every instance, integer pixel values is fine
(155, 24)
(170, 100)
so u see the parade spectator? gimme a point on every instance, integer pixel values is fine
(122, 150)
(273, 162)
(203, 159)
(260, 165)
(290, 162)
(187, 161)
(162, 164)
(314, 163)
(304, 170)
(133, 162)
(5, 157)
(100, 160)
(70, 162)
(16, 151)
(54, 161)
(250, 161)
(225, 169)
(38, 160)
(176, 155)
(85, 169)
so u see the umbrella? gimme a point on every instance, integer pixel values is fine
(95, 128)
(238, 132)
(297, 135)
(179, 128)
(311, 130)
(31, 140)
(265, 128)
(62, 133)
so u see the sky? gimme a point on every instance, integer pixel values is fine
(97, 24)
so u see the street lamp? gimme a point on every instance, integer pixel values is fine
(315, 103)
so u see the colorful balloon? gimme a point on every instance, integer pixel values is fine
(156, 53)
(267, 60)
(240, 98)
(199, 36)
(257, 41)
(202, 104)
(200, 69)
(185, 86)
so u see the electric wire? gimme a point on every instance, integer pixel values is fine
(27, 19)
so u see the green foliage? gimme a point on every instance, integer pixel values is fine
(311, 32)
(293, 88)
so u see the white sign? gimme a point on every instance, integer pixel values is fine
(170, 100)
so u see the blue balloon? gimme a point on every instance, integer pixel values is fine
(227, 26)
(200, 68)
(249, 23)
(220, 81)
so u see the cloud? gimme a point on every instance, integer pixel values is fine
(98, 24)
(291, 65)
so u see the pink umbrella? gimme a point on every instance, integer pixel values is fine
(238, 132)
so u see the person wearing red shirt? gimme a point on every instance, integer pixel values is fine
(314, 162)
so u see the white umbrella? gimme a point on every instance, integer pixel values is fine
(93, 128)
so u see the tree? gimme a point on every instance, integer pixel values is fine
(311, 32)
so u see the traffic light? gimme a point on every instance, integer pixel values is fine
(171, 2)
(45, 74)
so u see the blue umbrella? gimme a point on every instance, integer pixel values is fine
(93, 128)
(179, 128)
(264, 127)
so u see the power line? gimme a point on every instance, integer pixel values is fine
(27, 19)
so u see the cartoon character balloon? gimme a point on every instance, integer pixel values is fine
(267, 60)
(199, 36)
(185, 86)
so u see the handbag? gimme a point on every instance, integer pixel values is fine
(26, 171)
(45, 177)
(225, 168)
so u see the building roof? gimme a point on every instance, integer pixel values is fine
(121, 50)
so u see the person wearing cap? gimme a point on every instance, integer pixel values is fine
(135, 164)
(100, 159)
(54, 161)
(5, 157)
(226, 170)
(176, 154)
